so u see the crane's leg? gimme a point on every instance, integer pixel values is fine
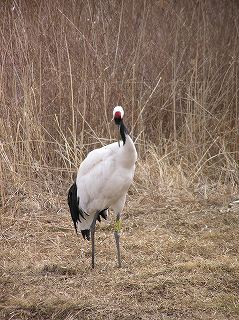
(93, 239)
(118, 223)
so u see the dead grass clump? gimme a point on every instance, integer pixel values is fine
(57, 270)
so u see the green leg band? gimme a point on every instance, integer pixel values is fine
(118, 225)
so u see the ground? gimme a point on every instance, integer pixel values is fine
(180, 261)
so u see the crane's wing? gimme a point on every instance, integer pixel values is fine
(96, 156)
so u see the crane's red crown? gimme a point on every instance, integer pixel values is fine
(118, 113)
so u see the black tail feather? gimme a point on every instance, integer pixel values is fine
(86, 234)
(102, 214)
(77, 213)
(73, 202)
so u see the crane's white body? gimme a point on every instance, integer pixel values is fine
(104, 178)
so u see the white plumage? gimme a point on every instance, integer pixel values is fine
(103, 181)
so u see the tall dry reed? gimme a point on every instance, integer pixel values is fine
(173, 65)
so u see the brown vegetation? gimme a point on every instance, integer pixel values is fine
(173, 65)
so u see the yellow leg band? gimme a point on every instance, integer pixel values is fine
(118, 225)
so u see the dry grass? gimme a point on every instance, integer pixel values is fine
(180, 259)
(173, 65)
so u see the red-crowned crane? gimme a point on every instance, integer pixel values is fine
(102, 182)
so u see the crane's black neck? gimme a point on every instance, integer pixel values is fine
(122, 128)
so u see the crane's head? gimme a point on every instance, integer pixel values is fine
(118, 114)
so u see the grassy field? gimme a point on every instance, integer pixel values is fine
(173, 65)
(180, 259)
